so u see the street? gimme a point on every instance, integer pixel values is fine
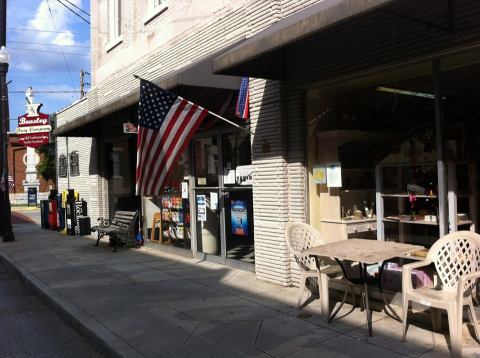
(30, 329)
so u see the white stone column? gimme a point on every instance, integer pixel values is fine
(31, 160)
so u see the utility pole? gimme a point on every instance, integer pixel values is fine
(3, 40)
(4, 117)
(82, 83)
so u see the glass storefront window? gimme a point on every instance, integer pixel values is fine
(373, 163)
(206, 161)
(236, 159)
(168, 215)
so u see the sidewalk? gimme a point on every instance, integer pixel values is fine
(144, 303)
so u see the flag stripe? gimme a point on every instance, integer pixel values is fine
(189, 119)
(167, 123)
(181, 145)
(243, 101)
(11, 183)
(140, 141)
(155, 146)
(146, 136)
(162, 142)
(179, 126)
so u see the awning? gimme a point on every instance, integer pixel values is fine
(198, 74)
(262, 54)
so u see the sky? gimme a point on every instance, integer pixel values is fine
(36, 42)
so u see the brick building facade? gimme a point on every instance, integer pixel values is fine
(16, 166)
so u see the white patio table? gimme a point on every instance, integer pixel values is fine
(365, 253)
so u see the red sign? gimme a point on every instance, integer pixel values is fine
(34, 131)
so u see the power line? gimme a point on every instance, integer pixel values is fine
(75, 6)
(48, 51)
(19, 91)
(54, 31)
(45, 44)
(61, 49)
(76, 13)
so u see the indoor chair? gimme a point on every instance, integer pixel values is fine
(300, 237)
(456, 257)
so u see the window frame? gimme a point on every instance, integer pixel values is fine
(115, 36)
(73, 172)
(62, 166)
(155, 8)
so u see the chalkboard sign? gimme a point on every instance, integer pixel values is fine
(32, 196)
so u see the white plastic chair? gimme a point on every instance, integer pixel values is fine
(457, 260)
(301, 237)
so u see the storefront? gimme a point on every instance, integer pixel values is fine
(376, 102)
(207, 207)
(373, 162)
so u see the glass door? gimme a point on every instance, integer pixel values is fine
(223, 199)
(207, 203)
(237, 198)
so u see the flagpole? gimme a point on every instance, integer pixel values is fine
(230, 122)
(214, 114)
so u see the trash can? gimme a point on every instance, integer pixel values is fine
(84, 225)
(52, 210)
(44, 214)
(70, 212)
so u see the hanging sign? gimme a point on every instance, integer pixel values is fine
(34, 129)
(130, 128)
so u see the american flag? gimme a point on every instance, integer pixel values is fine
(243, 101)
(166, 124)
(11, 183)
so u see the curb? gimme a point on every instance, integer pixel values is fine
(98, 335)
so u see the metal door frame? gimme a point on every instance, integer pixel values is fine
(220, 189)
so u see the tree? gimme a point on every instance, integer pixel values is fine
(46, 167)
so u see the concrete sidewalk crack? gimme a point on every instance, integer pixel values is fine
(189, 335)
(258, 332)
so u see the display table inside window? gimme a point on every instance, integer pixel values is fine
(408, 203)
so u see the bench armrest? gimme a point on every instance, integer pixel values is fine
(407, 273)
(103, 222)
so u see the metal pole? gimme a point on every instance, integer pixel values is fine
(4, 115)
(7, 221)
(441, 167)
(3, 26)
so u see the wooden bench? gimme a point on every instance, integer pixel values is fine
(121, 229)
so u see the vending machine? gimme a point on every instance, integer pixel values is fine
(52, 210)
(70, 212)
